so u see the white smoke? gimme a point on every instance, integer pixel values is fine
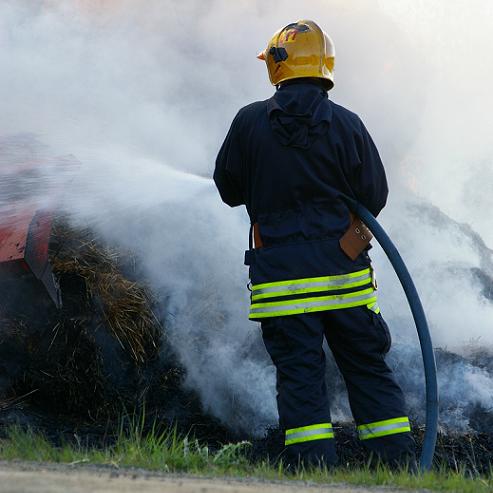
(142, 94)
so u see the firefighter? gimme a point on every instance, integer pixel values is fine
(291, 160)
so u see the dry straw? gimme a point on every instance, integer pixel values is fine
(126, 305)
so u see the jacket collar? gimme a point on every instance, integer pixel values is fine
(305, 100)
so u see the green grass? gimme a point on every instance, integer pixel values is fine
(170, 452)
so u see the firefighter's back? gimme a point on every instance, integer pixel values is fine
(300, 150)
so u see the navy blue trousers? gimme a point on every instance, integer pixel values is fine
(359, 340)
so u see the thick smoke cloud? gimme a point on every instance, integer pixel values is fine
(142, 94)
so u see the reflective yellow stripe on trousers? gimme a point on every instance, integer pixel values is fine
(309, 433)
(384, 428)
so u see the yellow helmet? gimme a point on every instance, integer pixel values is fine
(300, 49)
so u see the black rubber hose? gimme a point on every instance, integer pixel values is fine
(428, 451)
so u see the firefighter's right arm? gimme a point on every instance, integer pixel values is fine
(227, 174)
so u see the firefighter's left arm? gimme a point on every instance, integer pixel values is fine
(370, 182)
(229, 165)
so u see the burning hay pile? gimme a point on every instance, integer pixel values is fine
(99, 351)
(105, 280)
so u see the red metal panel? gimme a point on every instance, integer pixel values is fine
(24, 250)
(38, 242)
(14, 232)
(25, 230)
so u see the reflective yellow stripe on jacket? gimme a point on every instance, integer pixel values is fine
(263, 295)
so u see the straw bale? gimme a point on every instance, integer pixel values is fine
(126, 305)
(101, 351)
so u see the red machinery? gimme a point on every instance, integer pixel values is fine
(24, 242)
(25, 230)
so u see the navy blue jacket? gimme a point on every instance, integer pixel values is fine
(289, 160)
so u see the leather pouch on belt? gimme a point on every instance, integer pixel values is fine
(257, 239)
(356, 238)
